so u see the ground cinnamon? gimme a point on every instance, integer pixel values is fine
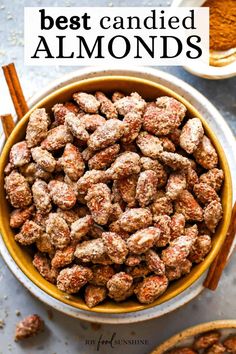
(222, 24)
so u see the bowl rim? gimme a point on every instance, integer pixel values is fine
(170, 92)
(193, 331)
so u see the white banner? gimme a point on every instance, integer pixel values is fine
(116, 35)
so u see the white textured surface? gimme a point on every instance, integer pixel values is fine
(68, 335)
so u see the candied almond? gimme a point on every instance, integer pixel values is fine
(94, 294)
(71, 280)
(63, 257)
(127, 189)
(41, 196)
(37, 127)
(72, 162)
(135, 219)
(107, 134)
(57, 138)
(44, 244)
(19, 154)
(142, 240)
(58, 230)
(60, 110)
(125, 164)
(104, 158)
(187, 205)
(18, 190)
(206, 154)
(149, 145)
(132, 103)
(146, 187)
(230, 344)
(87, 102)
(133, 260)
(29, 233)
(90, 178)
(43, 158)
(62, 194)
(101, 274)
(176, 184)
(177, 251)
(99, 202)
(191, 135)
(165, 117)
(212, 214)
(149, 164)
(76, 127)
(107, 107)
(117, 95)
(42, 263)
(162, 222)
(177, 225)
(90, 251)
(133, 122)
(119, 284)
(154, 262)
(217, 348)
(115, 247)
(19, 216)
(213, 178)
(161, 206)
(167, 144)
(200, 249)
(81, 227)
(205, 193)
(206, 340)
(151, 288)
(92, 121)
(29, 327)
(174, 160)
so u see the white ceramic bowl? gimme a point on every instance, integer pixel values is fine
(201, 69)
(227, 140)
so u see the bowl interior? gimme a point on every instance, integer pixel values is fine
(149, 91)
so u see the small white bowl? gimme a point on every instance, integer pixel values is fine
(203, 70)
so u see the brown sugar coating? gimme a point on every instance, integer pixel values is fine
(115, 194)
(134, 219)
(107, 107)
(18, 190)
(57, 138)
(71, 280)
(99, 203)
(41, 196)
(104, 158)
(72, 162)
(94, 295)
(44, 159)
(37, 127)
(28, 327)
(151, 288)
(146, 187)
(19, 154)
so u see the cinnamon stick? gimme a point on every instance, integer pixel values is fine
(7, 124)
(216, 269)
(15, 90)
